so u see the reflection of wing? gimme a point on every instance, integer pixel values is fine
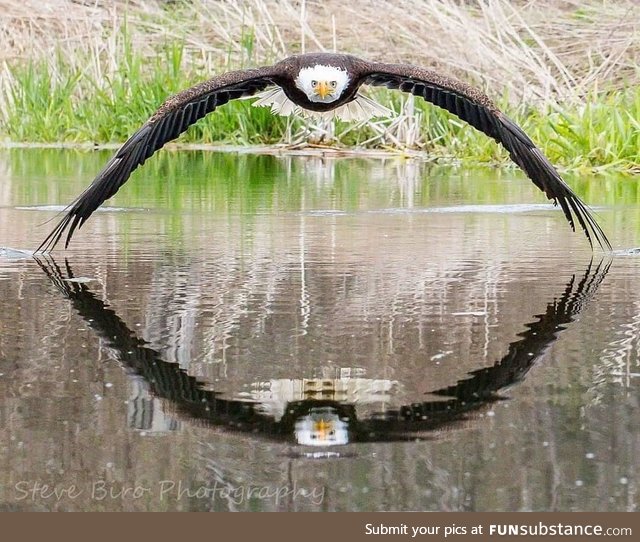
(167, 123)
(166, 379)
(483, 385)
(169, 381)
(535, 341)
(473, 107)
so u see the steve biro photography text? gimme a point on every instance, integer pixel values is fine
(166, 490)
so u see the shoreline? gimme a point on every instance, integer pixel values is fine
(325, 151)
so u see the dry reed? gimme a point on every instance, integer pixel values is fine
(544, 53)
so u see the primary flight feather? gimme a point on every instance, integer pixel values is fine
(324, 84)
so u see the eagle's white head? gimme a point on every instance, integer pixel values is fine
(323, 84)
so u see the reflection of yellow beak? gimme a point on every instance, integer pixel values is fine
(324, 428)
(323, 90)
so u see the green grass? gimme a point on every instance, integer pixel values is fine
(78, 100)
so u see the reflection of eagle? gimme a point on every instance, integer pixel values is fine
(325, 84)
(325, 412)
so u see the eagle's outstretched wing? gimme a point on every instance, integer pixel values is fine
(475, 108)
(167, 123)
(185, 108)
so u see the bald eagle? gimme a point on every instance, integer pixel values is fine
(324, 84)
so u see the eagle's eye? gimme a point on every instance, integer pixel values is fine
(333, 84)
(314, 83)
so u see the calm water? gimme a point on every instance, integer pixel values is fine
(239, 332)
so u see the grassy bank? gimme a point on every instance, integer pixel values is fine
(95, 73)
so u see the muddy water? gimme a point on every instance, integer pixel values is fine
(242, 332)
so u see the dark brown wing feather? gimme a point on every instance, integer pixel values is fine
(167, 123)
(475, 108)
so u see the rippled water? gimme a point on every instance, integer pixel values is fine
(315, 333)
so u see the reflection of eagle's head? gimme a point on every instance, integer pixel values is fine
(321, 427)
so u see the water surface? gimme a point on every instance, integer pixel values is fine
(239, 332)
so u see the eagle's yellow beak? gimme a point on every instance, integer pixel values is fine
(323, 90)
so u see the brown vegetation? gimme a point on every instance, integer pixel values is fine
(534, 50)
